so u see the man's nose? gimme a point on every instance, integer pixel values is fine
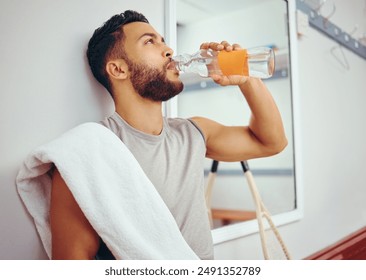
(168, 52)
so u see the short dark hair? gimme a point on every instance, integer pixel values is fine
(105, 44)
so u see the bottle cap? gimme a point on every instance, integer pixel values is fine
(234, 62)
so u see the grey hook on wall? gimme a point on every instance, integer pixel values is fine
(343, 59)
(326, 18)
(324, 25)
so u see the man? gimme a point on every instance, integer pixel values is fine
(131, 60)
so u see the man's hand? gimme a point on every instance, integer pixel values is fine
(221, 79)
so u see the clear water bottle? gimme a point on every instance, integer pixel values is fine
(254, 62)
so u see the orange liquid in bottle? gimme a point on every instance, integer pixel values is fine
(234, 62)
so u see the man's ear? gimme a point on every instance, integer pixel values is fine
(117, 69)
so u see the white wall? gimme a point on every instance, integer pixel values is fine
(46, 89)
(332, 102)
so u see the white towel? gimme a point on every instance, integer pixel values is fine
(112, 190)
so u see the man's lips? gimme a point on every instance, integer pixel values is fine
(171, 65)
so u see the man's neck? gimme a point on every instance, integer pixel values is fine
(140, 113)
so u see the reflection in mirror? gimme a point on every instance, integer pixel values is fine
(249, 23)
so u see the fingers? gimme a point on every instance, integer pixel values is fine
(237, 47)
(227, 46)
(224, 45)
(213, 46)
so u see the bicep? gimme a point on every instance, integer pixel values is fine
(72, 235)
(230, 143)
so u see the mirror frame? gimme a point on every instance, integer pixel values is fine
(243, 229)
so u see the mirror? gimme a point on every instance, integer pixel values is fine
(250, 23)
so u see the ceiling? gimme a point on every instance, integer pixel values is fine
(193, 10)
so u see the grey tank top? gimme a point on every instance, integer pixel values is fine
(174, 163)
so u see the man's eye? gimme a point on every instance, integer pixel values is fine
(150, 41)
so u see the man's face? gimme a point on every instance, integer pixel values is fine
(148, 59)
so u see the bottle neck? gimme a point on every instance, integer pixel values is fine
(200, 62)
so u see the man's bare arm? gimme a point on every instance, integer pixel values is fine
(72, 235)
(263, 136)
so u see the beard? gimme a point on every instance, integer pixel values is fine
(152, 83)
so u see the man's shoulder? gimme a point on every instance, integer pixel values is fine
(185, 124)
(177, 121)
(111, 122)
